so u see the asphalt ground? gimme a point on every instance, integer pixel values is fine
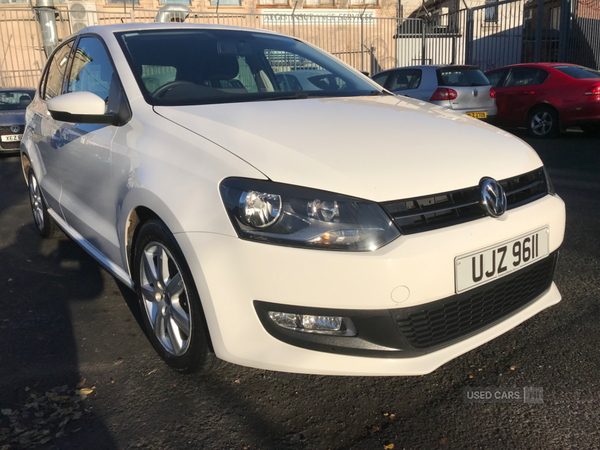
(77, 372)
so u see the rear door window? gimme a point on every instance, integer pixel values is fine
(381, 78)
(405, 79)
(525, 76)
(495, 77)
(461, 76)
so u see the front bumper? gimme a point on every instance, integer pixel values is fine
(231, 274)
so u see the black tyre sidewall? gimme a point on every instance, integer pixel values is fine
(555, 123)
(197, 357)
(50, 229)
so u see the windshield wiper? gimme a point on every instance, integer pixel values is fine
(298, 95)
(380, 93)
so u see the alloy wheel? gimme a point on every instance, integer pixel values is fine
(35, 197)
(541, 123)
(165, 298)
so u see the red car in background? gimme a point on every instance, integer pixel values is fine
(546, 97)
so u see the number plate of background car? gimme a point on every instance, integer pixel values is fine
(485, 265)
(478, 114)
(12, 138)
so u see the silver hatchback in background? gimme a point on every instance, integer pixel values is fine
(462, 88)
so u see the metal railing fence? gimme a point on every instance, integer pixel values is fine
(491, 35)
(21, 55)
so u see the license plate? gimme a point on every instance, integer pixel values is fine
(483, 266)
(477, 114)
(12, 138)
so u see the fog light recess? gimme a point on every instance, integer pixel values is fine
(332, 325)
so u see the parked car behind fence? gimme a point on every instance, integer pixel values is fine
(461, 88)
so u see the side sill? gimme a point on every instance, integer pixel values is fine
(110, 266)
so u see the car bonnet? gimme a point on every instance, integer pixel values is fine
(378, 148)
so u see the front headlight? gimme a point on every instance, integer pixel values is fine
(290, 215)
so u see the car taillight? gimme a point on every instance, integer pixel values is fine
(492, 93)
(443, 94)
(594, 90)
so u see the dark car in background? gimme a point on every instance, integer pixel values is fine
(13, 102)
(545, 97)
(464, 89)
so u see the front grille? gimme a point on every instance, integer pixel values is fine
(446, 320)
(429, 212)
(5, 130)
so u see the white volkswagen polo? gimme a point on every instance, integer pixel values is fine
(334, 230)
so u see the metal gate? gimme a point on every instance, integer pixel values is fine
(584, 35)
(488, 36)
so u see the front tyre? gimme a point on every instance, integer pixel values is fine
(43, 222)
(169, 301)
(543, 123)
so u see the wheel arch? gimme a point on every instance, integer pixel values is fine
(543, 105)
(25, 166)
(144, 208)
(136, 218)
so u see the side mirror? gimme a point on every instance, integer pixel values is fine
(364, 72)
(81, 107)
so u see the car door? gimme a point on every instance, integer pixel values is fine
(88, 195)
(44, 129)
(522, 88)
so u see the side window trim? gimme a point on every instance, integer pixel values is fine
(70, 65)
(49, 64)
(504, 77)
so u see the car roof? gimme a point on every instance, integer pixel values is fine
(537, 64)
(105, 30)
(432, 67)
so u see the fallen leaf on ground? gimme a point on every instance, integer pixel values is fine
(392, 416)
(152, 371)
(83, 393)
(388, 447)
(512, 367)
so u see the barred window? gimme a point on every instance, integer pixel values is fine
(225, 2)
(491, 13)
(175, 2)
(120, 2)
(319, 2)
(274, 2)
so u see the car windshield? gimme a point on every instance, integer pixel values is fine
(461, 76)
(578, 71)
(204, 66)
(15, 99)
